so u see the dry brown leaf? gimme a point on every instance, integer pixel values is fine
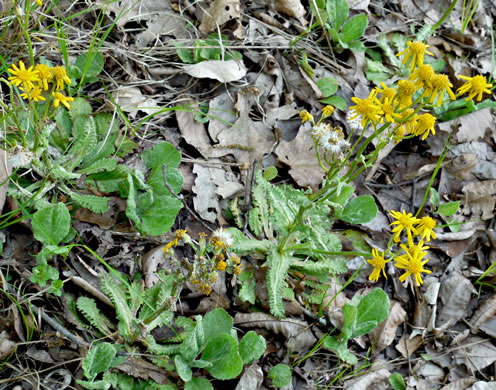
(150, 261)
(130, 99)
(373, 380)
(459, 384)
(7, 346)
(407, 346)
(455, 294)
(220, 12)
(139, 368)
(223, 71)
(246, 140)
(193, 132)
(298, 333)
(292, 8)
(300, 155)
(251, 379)
(127, 10)
(383, 335)
(163, 23)
(475, 353)
(205, 202)
(485, 315)
(430, 371)
(472, 127)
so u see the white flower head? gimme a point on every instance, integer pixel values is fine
(355, 124)
(222, 237)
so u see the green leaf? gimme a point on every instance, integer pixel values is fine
(185, 55)
(340, 348)
(279, 264)
(448, 209)
(96, 204)
(215, 322)
(338, 11)
(92, 64)
(80, 107)
(397, 381)
(251, 347)
(85, 141)
(270, 173)
(361, 209)
(183, 369)
(377, 66)
(87, 306)
(98, 359)
(115, 292)
(104, 164)
(247, 291)
(354, 28)
(372, 309)
(280, 375)
(336, 101)
(328, 86)
(222, 352)
(158, 216)
(96, 385)
(51, 224)
(434, 197)
(198, 384)
(424, 33)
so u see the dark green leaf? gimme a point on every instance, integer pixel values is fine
(222, 352)
(51, 224)
(280, 375)
(397, 381)
(354, 28)
(251, 347)
(361, 209)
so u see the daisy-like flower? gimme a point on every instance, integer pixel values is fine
(422, 76)
(34, 94)
(369, 108)
(306, 116)
(416, 50)
(475, 86)
(45, 75)
(406, 89)
(440, 84)
(386, 92)
(21, 75)
(221, 238)
(39, 2)
(379, 264)
(425, 125)
(327, 111)
(60, 77)
(412, 262)
(389, 114)
(425, 228)
(61, 98)
(407, 124)
(403, 221)
(332, 140)
(221, 265)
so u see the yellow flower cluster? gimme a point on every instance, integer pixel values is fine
(33, 81)
(398, 106)
(412, 259)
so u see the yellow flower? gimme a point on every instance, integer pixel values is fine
(476, 86)
(404, 221)
(39, 2)
(412, 262)
(221, 265)
(237, 269)
(440, 84)
(406, 124)
(21, 75)
(425, 124)
(327, 111)
(386, 92)
(60, 77)
(45, 75)
(416, 50)
(369, 108)
(388, 109)
(379, 264)
(235, 259)
(306, 116)
(406, 89)
(60, 98)
(34, 94)
(205, 288)
(426, 227)
(422, 76)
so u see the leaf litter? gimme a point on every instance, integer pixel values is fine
(252, 117)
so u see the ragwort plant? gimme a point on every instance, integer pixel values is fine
(293, 228)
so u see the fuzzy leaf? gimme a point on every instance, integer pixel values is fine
(99, 359)
(217, 321)
(198, 384)
(87, 306)
(105, 164)
(280, 375)
(251, 347)
(51, 224)
(97, 204)
(116, 294)
(222, 351)
(276, 277)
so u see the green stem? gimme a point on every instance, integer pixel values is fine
(445, 15)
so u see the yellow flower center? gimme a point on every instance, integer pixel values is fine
(418, 48)
(406, 88)
(426, 121)
(425, 72)
(428, 223)
(414, 266)
(479, 83)
(405, 220)
(440, 81)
